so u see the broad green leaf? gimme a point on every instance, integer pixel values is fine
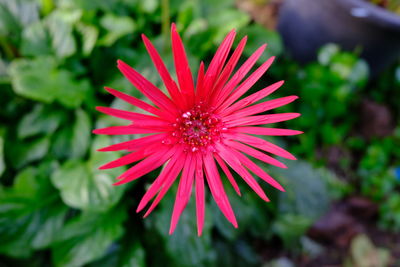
(184, 247)
(225, 20)
(87, 237)
(35, 40)
(31, 213)
(117, 27)
(306, 190)
(21, 153)
(83, 186)
(62, 39)
(81, 133)
(70, 92)
(41, 120)
(40, 80)
(129, 254)
(28, 79)
(89, 35)
(15, 14)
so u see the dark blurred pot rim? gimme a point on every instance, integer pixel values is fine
(373, 13)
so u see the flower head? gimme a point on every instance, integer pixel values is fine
(199, 126)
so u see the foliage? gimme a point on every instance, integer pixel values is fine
(56, 208)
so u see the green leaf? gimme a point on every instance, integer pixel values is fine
(81, 133)
(62, 39)
(41, 120)
(306, 190)
(31, 213)
(117, 27)
(184, 247)
(89, 35)
(22, 153)
(87, 237)
(2, 163)
(35, 40)
(28, 80)
(84, 187)
(257, 36)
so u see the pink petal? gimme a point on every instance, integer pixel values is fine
(255, 153)
(228, 69)
(130, 158)
(229, 156)
(261, 119)
(130, 129)
(265, 106)
(171, 170)
(147, 88)
(265, 131)
(168, 182)
(200, 80)
(247, 84)
(217, 189)
(258, 171)
(136, 143)
(238, 76)
(200, 206)
(218, 62)
(163, 71)
(136, 102)
(228, 173)
(150, 163)
(184, 191)
(182, 68)
(261, 144)
(252, 98)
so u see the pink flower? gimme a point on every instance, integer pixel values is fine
(199, 126)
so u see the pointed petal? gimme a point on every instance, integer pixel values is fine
(146, 87)
(136, 143)
(261, 144)
(129, 129)
(184, 191)
(252, 98)
(150, 163)
(200, 81)
(265, 106)
(228, 173)
(247, 84)
(128, 159)
(182, 68)
(238, 76)
(168, 182)
(265, 131)
(259, 120)
(258, 171)
(217, 189)
(228, 155)
(200, 196)
(136, 102)
(169, 170)
(228, 69)
(255, 153)
(218, 61)
(163, 71)
(127, 115)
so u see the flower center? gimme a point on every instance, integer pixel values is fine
(198, 128)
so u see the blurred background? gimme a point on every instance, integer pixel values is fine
(342, 204)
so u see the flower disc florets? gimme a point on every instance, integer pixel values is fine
(198, 128)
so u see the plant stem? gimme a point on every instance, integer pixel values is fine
(165, 22)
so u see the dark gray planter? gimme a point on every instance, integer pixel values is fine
(306, 25)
